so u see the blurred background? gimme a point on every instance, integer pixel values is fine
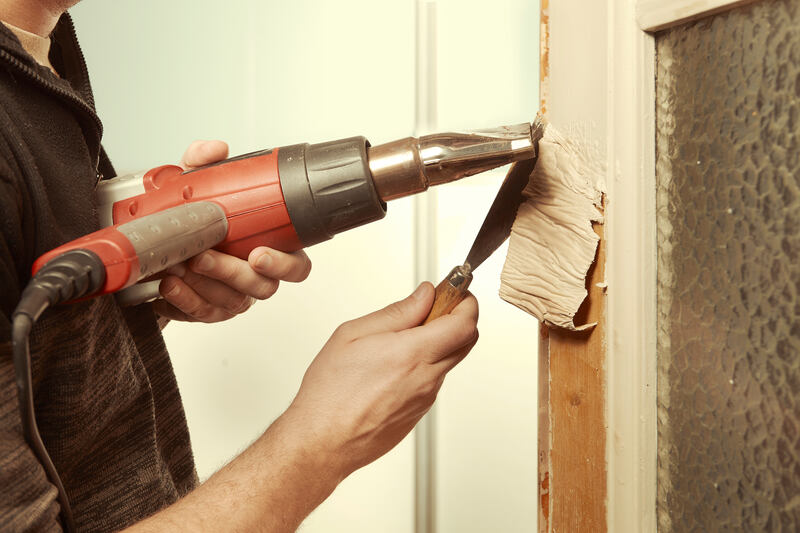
(261, 74)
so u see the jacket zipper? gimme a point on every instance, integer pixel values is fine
(67, 21)
(88, 90)
(69, 96)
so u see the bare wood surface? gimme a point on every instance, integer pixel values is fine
(574, 481)
(572, 490)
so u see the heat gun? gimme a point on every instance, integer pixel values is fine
(285, 198)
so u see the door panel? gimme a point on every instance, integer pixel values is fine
(728, 216)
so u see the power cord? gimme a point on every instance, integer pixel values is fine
(72, 275)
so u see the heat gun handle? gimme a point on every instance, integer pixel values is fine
(450, 292)
(145, 246)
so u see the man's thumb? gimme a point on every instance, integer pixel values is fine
(405, 314)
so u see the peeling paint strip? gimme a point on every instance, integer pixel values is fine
(552, 241)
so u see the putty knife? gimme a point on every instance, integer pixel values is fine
(495, 230)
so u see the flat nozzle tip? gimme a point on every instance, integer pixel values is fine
(411, 165)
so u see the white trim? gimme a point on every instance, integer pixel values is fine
(631, 274)
(654, 15)
(602, 82)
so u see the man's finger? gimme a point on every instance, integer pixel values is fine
(271, 263)
(443, 336)
(234, 272)
(447, 363)
(202, 153)
(219, 294)
(398, 316)
(167, 310)
(176, 292)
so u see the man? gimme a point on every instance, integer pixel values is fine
(107, 403)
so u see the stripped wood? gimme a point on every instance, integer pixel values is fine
(577, 404)
(572, 396)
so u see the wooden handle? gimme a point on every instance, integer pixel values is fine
(450, 292)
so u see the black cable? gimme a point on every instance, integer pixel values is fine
(71, 275)
(21, 329)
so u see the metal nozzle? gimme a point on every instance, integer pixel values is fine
(411, 165)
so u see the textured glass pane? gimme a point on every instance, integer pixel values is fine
(728, 136)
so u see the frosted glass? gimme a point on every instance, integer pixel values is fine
(728, 200)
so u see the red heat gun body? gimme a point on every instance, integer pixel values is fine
(285, 198)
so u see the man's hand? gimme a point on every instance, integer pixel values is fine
(367, 388)
(214, 286)
(378, 375)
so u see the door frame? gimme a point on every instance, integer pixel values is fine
(598, 79)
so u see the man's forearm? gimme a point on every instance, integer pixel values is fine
(271, 486)
(363, 393)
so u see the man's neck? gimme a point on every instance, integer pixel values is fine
(35, 16)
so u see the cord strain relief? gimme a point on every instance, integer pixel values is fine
(69, 276)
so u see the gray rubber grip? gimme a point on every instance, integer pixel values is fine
(328, 188)
(168, 237)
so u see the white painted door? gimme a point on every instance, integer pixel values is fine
(699, 128)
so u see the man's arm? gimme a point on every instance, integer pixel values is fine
(366, 389)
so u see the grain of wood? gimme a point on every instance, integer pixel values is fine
(576, 410)
(572, 491)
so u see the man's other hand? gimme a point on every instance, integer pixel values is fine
(214, 286)
(376, 377)
(366, 389)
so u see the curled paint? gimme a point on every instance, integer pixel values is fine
(552, 242)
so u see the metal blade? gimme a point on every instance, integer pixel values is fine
(497, 225)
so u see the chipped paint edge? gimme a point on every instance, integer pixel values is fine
(545, 441)
(544, 55)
